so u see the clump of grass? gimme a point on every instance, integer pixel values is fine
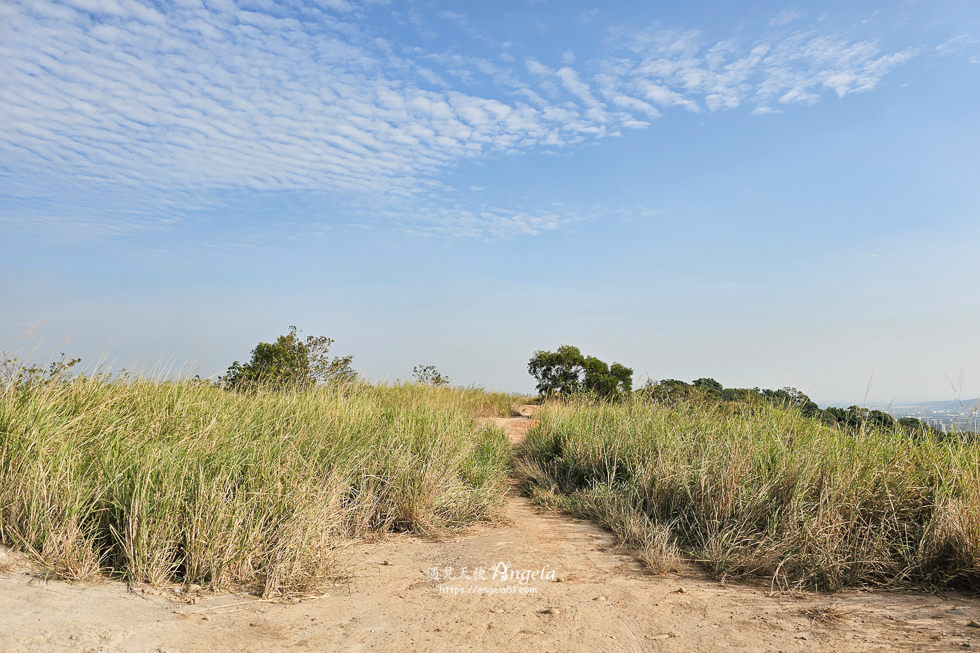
(474, 401)
(185, 482)
(823, 615)
(765, 492)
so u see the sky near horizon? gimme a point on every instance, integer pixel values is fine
(765, 193)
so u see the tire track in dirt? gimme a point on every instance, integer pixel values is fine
(412, 595)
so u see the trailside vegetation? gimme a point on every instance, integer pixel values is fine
(185, 482)
(760, 488)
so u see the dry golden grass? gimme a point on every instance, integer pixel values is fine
(184, 482)
(761, 491)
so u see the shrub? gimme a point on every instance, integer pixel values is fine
(13, 372)
(429, 375)
(290, 362)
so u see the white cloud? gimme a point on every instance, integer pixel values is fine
(484, 223)
(179, 104)
(671, 68)
(114, 93)
(956, 43)
(535, 67)
(786, 16)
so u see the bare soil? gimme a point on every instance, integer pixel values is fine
(412, 595)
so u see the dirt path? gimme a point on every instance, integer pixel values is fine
(410, 595)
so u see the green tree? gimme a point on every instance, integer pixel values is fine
(913, 424)
(429, 375)
(793, 397)
(710, 389)
(670, 391)
(566, 372)
(881, 420)
(708, 384)
(290, 363)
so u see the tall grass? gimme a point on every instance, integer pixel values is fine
(761, 491)
(184, 482)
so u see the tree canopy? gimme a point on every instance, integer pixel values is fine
(290, 362)
(854, 418)
(567, 372)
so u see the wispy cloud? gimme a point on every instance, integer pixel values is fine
(484, 222)
(178, 104)
(962, 44)
(198, 98)
(670, 68)
(786, 16)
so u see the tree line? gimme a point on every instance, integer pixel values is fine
(567, 372)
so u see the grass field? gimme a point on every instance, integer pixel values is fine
(185, 482)
(762, 491)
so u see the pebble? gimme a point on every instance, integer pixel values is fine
(206, 618)
(974, 623)
(551, 611)
(658, 636)
(599, 598)
(680, 590)
(497, 610)
(955, 611)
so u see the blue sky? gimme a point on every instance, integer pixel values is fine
(769, 194)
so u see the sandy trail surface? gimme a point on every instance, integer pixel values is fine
(542, 582)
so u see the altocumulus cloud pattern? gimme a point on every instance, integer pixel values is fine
(174, 105)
